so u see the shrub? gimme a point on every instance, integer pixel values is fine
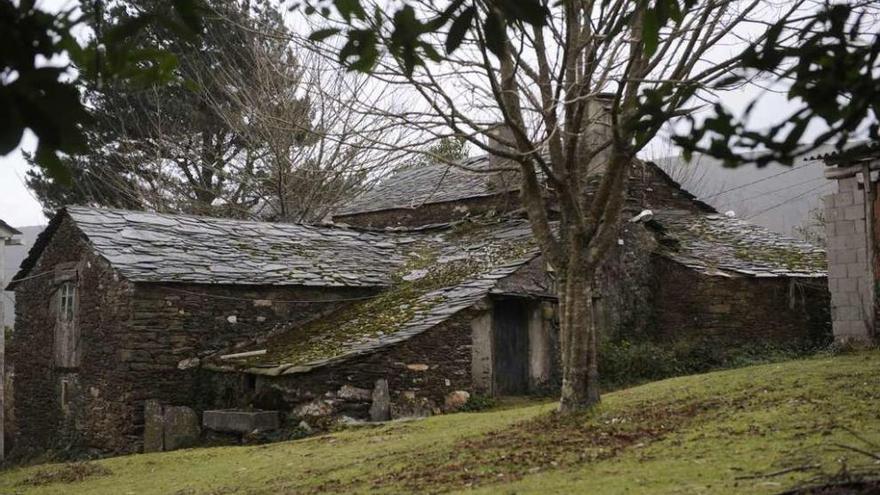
(624, 363)
(478, 402)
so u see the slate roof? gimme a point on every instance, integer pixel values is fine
(717, 245)
(417, 185)
(853, 150)
(9, 229)
(152, 247)
(446, 273)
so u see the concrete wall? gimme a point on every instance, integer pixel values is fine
(849, 273)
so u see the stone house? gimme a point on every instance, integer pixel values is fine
(852, 226)
(425, 290)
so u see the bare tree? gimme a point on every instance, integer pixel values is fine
(312, 147)
(253, 126)
(580, 95)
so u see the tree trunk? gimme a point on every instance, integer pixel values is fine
(580, 376)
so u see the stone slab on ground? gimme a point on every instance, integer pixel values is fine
(237, 421)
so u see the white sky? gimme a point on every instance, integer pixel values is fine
(19, 207)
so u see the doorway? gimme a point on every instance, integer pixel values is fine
(511, 347)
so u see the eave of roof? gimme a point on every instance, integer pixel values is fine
(852, 152)
(720, 246)
(36, 250)
(9, 229)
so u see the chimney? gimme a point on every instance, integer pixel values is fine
(597, 130)
(500, 137)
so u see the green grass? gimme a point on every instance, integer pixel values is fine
(720, 432)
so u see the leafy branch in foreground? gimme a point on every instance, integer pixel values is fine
(833, 72)
(36, 83)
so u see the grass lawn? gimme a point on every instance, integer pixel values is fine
(761, 429)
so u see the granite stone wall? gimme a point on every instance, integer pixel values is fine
(742, 310)
(137, 342)
(83, 405)
(421, 372)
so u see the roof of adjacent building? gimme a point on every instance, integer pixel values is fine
(153, 247)
(8, 229)
(444, 274)
(718, 245)
(414, 186)
(851, 151)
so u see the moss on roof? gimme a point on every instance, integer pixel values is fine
(790, 259)
(417, 289)
(718, 242)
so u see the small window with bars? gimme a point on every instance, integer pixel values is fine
(66, 301)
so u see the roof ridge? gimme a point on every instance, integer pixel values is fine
(206, 217)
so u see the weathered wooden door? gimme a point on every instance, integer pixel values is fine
(511, 346)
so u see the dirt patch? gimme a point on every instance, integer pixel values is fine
(868, 487)
(551, 441)
(66, 473)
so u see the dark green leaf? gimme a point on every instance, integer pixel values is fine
(650, 32)
(459, 28)
(322, 34)
(349, 8)
(529, 11)
(496, 37)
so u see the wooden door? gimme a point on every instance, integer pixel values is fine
(511, 347)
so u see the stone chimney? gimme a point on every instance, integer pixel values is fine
(501, 137)
(597, 130)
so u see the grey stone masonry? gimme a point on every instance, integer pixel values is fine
(237, 421)
(849, 274)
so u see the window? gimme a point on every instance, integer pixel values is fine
(67, 350)
(66, 302)
(68, 390)
(65, 393)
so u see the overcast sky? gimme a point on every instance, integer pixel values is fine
(19, 207)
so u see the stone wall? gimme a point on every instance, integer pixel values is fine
(624, 295)
(96, 398)
(742, 310)
(849, 276)
(137, 342)
(648, 187)
(434, 213)
(172, 325)
(421, 372)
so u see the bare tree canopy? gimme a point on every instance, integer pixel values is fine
(579, 88)
(250, 126)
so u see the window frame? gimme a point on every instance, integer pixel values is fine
(67, 302)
